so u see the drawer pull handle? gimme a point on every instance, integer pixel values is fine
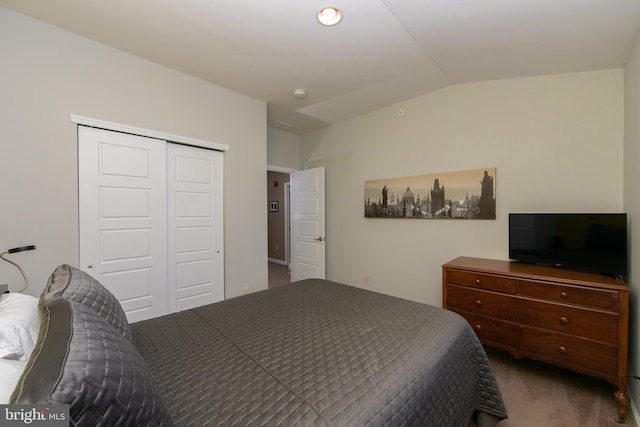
(564, 294)
(564, 320)
(478, 303)
(478, 327)
(478, 282)
(562, 349)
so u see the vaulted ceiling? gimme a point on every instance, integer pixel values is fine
(381, 53)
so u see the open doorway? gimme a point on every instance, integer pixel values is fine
(278, 225)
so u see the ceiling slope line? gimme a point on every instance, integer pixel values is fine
(431, 58)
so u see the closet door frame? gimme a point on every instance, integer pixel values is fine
(101, 124)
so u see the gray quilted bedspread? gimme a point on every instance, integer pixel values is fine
(319, 353)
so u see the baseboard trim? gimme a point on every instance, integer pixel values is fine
(277, 261)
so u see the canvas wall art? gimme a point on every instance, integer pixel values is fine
(453, 195)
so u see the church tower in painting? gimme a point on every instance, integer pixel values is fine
(437, 200)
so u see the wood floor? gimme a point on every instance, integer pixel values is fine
(536, 394)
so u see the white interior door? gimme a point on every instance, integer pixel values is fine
(123, 220)
(195, 226)
(307, 225)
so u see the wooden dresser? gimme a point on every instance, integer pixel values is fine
(570, 319)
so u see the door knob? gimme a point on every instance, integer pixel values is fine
(319, 239)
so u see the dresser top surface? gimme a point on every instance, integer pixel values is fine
(535, 272)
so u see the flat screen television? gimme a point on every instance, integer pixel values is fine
(589, 242)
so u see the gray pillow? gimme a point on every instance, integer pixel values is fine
(72, 284)
(83, 361)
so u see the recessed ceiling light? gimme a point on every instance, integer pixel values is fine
(329, 15)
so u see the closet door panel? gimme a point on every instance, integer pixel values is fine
(125, 202)
(129, 285)
(125, 244)
(123, 222)
(190, 240)
(195, 227)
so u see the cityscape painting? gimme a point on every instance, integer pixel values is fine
(453, 195)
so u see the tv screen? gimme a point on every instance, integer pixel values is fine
(595, 243)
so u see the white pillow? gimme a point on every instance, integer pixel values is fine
(10, 371)
(19, 325)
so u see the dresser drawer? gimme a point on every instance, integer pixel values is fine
(482, 281)
(494, 331)
(475, 301)
(571, 352)
(596, 298)
(591, 324)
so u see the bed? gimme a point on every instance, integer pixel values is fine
(310, 353)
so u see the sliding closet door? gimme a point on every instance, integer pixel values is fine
(195, 226)
(123, 219)
(151, 226)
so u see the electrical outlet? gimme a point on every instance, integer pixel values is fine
(4, 289)
(245, 291)
(366, 279)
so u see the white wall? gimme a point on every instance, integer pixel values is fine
(632, 205)
(282, 149)
(556, 142)
(48, 74)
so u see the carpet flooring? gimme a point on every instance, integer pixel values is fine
(278, 275)
(537, 394)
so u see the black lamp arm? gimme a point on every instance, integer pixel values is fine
(21, 249)
(12, 251)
